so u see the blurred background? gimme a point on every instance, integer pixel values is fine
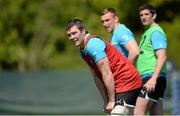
(42, 73)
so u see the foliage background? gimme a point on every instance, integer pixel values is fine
(32, 35)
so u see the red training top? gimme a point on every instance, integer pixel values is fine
(125, 75)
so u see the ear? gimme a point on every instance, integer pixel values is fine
(116, 19)
(154, 16)
(83, 31)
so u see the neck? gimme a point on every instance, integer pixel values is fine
(115, 26)
(82, 46)
(151, 25)
(154, 24)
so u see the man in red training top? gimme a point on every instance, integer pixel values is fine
(116, 78)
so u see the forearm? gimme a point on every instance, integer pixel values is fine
(109, 83)
(133, 51)
(133, 57)
(101, 88)
(107, 77)
(160, 62)
(100, 85)
(161, 59)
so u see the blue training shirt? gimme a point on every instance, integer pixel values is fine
(120, 37)
(95, 48)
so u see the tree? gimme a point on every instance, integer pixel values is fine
(32, 34)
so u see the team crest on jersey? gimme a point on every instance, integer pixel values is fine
(125, 37)
(94, 53)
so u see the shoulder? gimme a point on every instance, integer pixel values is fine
(158, 40)
(95, 44)
(123, 30)
(158, 34)
(96, 49)
(95, 41)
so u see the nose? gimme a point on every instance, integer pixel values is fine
(71, 37)
(143, 16)
(104, 23)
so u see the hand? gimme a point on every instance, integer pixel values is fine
(109, 107)
(150, 85)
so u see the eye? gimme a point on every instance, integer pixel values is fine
(107, 20)
(146, 14)
(73, 33)
(68, 34)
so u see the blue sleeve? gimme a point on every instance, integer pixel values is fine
(96, 49)
(124, 36)
(158, 40)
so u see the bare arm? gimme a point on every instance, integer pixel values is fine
(101, 87)
(108, 79)
(161, 59)
(133, 50)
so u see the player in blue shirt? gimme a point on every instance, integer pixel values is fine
(122, 38)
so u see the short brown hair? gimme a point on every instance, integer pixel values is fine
(76, 22)
(148, 7)
(107, 10)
